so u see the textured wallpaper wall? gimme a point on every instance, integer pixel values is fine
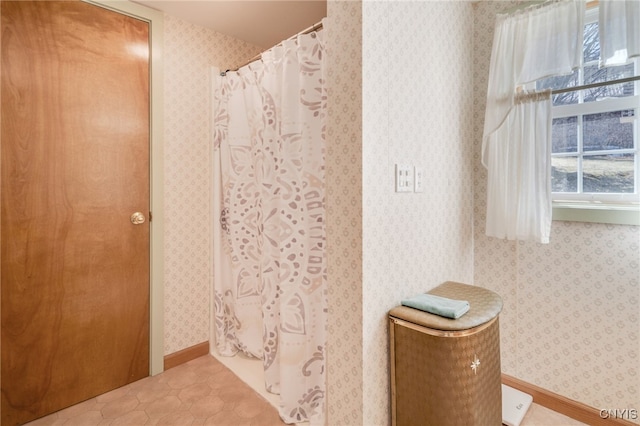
(189, 53)
(417, 104)
(344, 213)
(407, 84)
(570, 321)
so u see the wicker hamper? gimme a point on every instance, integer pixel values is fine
(445, 371)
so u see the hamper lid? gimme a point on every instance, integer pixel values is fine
(484, 305)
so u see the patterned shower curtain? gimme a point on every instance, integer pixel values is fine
(270, 285)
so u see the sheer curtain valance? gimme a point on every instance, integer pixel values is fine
(528, 45)
(619, 28)
(535, 43)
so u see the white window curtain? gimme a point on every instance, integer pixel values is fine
(519, 188)
(528, 45)
(619, 26)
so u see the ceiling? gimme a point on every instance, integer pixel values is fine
(263, 23)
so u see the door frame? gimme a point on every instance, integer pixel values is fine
(155, 19)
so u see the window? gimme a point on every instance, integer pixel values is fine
(595, 131)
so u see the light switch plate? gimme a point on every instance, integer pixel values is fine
(404, 178)
(418, 179)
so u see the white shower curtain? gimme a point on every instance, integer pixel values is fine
(269, 285)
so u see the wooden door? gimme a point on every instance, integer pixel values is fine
(74, 159)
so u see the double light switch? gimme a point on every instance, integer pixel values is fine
(409, 178)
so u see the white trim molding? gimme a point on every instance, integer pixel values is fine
(156, 303)
(616, 214)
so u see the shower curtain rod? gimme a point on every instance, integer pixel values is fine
(314, 27)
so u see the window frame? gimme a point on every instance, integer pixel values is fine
(623, 209)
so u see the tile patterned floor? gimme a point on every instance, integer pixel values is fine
(537, 415)
(203, 392)
(200, 392)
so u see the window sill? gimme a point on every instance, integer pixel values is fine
(617, 214)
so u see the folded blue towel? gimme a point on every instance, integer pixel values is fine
(437, 305)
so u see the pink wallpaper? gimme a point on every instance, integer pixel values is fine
(344, 213)
(416, 95)
(570, 321)
(189, 53)
(407, 84)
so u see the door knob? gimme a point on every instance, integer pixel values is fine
(137, 218)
